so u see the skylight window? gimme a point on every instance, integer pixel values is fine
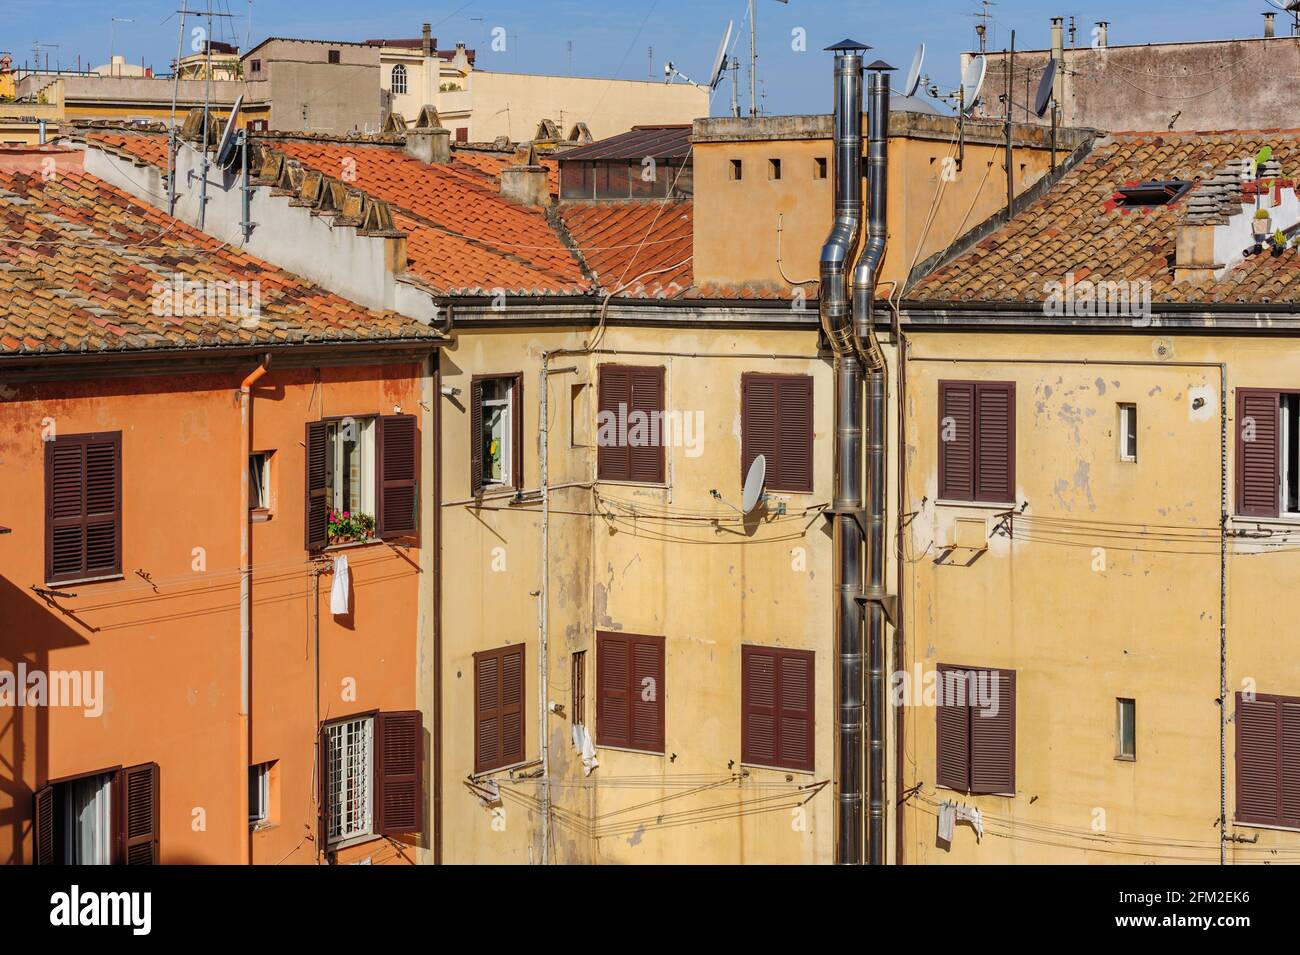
(1161, 192)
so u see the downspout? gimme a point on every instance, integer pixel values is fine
(865, 275)
(543, 615)
(245, 598)
(837, 325)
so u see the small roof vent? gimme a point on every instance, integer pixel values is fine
(1160, 192)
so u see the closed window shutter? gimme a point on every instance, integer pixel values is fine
(993, 736)
(475, 437)
(517, 428)
(646, 692)
(956, 441)
(646, 459)
(1258, 761)
(1258, 469)
(83, 506)
(995, 441)
(499, 708)
(1290, 741)
(138, 820)
(795, 434)
(399, 745)
(952, 744)
(777, 696)
(613, 674)
(614, 399)
(316, 519)
(43, 827)
(398, 479)
(777, 422)
(322, 788)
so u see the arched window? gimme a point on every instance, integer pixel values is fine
(399, 79)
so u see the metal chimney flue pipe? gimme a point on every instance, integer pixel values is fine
(836, 316)
(1270, 25)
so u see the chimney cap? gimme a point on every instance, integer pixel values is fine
(846, 46)
(880, 66)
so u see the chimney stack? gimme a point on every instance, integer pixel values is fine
(426, 42)
(526, 182)
(1270, 27)
(1103, 34)
(1058, 54)
(429, 141)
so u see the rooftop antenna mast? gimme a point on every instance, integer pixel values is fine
(37, 46)
(982, 28)
(753, 55)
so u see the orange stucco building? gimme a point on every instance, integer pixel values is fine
(140, 462)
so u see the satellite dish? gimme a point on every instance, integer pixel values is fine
(720, 61)
(972, 81)
(914, 74)
(754, 481)
(227, 151)
(1044, 98)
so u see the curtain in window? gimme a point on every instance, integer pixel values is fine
(87, 811)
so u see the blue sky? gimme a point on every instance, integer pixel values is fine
(613, 37)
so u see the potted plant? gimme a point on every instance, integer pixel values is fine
(346, 527)
(1279, 242)
(1263, 224)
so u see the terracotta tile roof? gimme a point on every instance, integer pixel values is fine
(82, 265)
(150, 149)
(493, 163)
(464, 236)
(1076, 227)
(637, 249)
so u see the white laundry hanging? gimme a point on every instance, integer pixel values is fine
(339, 589)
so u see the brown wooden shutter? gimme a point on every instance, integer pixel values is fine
(399, 744)
(138, 814)
(995, 441)
(499, 735)
(646, 693)
(795, 434)
(796, 686)
(475, 437)
(952, 737)
(758, 707)
(613, 674)
(1258, 760)
(316, 510)
(398, 459)
(614, 397)
(777, 422)
(43, 827)
(993, 736)
(1258, 467)
(646, 460)
(956, 441)
(322, 788)
(83, 506)
(517, 435)
(1289, 736)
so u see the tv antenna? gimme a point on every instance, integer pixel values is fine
(753, 55)
(914, 73)
(752, 493)
(1046, 99)
(37, 46)
(982, 28)
(716, 72)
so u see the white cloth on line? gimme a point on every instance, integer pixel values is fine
(972, 815)
(947, 818)
(585, 747)
(339, 589)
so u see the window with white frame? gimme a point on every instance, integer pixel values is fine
(348, 780)
(1128, 436)
(259, 794)
(1289, 453)
(259, 480)
(351, 462)
(398, 84)
(498, 431)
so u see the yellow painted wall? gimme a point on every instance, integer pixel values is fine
(1109, 589)
(707, 589)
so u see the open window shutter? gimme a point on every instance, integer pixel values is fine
(758, 425)
(316, 520)
(1258, 761)
(398, 460)
(758, 706)
(993, 737)
(399, 743)
(614, 401)
(43, 827)
(795, 434)
(517, 437)
(475, 437)
(322, 788)
(646, 693)
(1289, 715)
(956, 441)
(613, 709)
(796, 701)
(1257, 439)
(952, 748)
(646, 459)
(138, 819)
(995, 441)
(83, 506)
